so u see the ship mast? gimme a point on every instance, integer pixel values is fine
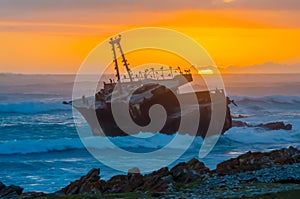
(113, 42)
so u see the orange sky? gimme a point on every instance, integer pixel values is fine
(49, 40)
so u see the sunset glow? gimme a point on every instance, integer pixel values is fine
(205, 72)
(57, 42)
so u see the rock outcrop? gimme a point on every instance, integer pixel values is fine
(161, 180)
(187, 172)
(237, 123)
(89, 183)
(251, 161)
(164, 180)
(276, 126)
(10, 192)
(267, 126)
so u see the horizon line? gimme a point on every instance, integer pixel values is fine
(236, 73)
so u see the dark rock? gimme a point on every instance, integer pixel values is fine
(32, 195)
(267, 126)
(156, 194)
(251, 161)
(157, 181)
(9, 195)
(187, 172)
(16, 189)
(10, 191)
(236, 123)
(1, 186)
(123, 183)
(288, 181)
(116, 184)
(275, 126)
(89, 183)
(153, 182)
(134, 181)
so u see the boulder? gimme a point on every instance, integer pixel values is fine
(187, 172)
(157, 181)
(124, 183)
(134, 170)
(117, 184)
(89, 183)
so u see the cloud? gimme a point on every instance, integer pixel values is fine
(17, 7)
(266, 4)
(119, 11)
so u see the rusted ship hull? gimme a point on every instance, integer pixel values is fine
(103, 117)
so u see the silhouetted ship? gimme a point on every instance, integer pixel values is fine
(149, 88)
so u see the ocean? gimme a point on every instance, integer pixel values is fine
(40, 149)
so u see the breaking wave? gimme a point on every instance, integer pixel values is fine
(235, 136)
(32, 107)
(274, 99)
(40, 106)
(261, 136)
(65, 144)
(38, 146)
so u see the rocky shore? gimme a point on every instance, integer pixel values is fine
(268, 126)
(249, 175)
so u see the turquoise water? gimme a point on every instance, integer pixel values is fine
(40, 149)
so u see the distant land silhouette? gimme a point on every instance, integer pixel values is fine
(268, 67)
